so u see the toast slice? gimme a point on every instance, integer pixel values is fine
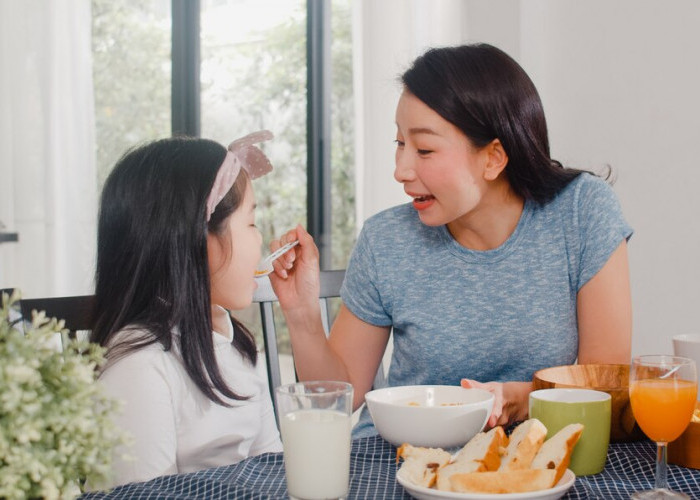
(524, 443)
(482, 453)
(420, 465)
(556, 452)
(514, 481)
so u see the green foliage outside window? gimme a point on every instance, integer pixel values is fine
(264, 86)
(131, 77)
(245, 86)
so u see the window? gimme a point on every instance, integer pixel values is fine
(131, 76)
(253, 75)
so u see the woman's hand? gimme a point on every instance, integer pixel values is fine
(295, 279)
(510, 403)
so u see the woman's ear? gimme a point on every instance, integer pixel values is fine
(497, 160)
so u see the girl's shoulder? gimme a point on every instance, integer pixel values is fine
(136, 346)
(133, 335)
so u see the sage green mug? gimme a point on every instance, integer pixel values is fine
(556, 408)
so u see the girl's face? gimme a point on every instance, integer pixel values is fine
(234, 256)
(437, 164)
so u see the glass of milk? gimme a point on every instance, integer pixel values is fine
(314, 419)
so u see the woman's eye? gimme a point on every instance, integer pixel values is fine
(399, 143)
(424, 152)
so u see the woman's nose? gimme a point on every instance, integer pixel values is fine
(404, 171)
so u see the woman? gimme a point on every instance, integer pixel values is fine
(504, 263)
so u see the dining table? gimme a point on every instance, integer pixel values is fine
(629, 467)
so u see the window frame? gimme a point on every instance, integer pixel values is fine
(186, 104)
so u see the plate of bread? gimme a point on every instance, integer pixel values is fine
(492, 465)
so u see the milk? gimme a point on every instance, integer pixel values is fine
(316, 453)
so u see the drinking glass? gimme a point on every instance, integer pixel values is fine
(315, 423)
(662, 395)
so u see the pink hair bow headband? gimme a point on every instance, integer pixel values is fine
(241, 154)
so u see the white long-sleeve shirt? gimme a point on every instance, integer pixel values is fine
(175, 427)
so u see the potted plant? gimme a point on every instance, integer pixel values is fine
(55, 424)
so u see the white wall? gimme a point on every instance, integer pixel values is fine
(620, 82)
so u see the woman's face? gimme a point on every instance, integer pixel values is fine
(234, 255)
(437, 164)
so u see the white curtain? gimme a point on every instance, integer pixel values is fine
(387, 36)
(47, 146)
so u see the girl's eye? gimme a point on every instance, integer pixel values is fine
(399, 143)
(424, 152)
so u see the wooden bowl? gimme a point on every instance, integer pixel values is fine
(685, 450)
(613, 379)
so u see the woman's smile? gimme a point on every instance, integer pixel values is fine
(422, 202)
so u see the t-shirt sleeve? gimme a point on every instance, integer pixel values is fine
(360, 292)
(602, 227)
(140, 381)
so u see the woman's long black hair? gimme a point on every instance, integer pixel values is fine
(482, 91)
(152, 265)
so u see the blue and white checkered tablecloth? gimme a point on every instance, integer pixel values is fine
(630, 467)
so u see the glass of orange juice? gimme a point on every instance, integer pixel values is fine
(662, 394)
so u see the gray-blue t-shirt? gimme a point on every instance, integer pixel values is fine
(494, 315)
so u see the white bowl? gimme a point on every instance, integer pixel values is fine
(436, 416)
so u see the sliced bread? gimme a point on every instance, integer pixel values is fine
(523, 445)
(556, 452)
(516, 481)
(481, 453)
(420, 465)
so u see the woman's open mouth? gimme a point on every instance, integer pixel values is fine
(423, 202)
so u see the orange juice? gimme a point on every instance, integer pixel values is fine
(663, 407)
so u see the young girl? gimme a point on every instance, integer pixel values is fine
(177, 249)
(503, 263)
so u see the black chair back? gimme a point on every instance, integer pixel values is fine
(76, 311)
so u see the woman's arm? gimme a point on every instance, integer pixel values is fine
(361, 347)
(604, 307)
(352, 353)
(355, 348)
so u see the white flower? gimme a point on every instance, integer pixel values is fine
(27, 435)
(49, 489)
(23, 373)
(55, 423)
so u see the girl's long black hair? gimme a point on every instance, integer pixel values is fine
(152, 265)
(487, 95)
